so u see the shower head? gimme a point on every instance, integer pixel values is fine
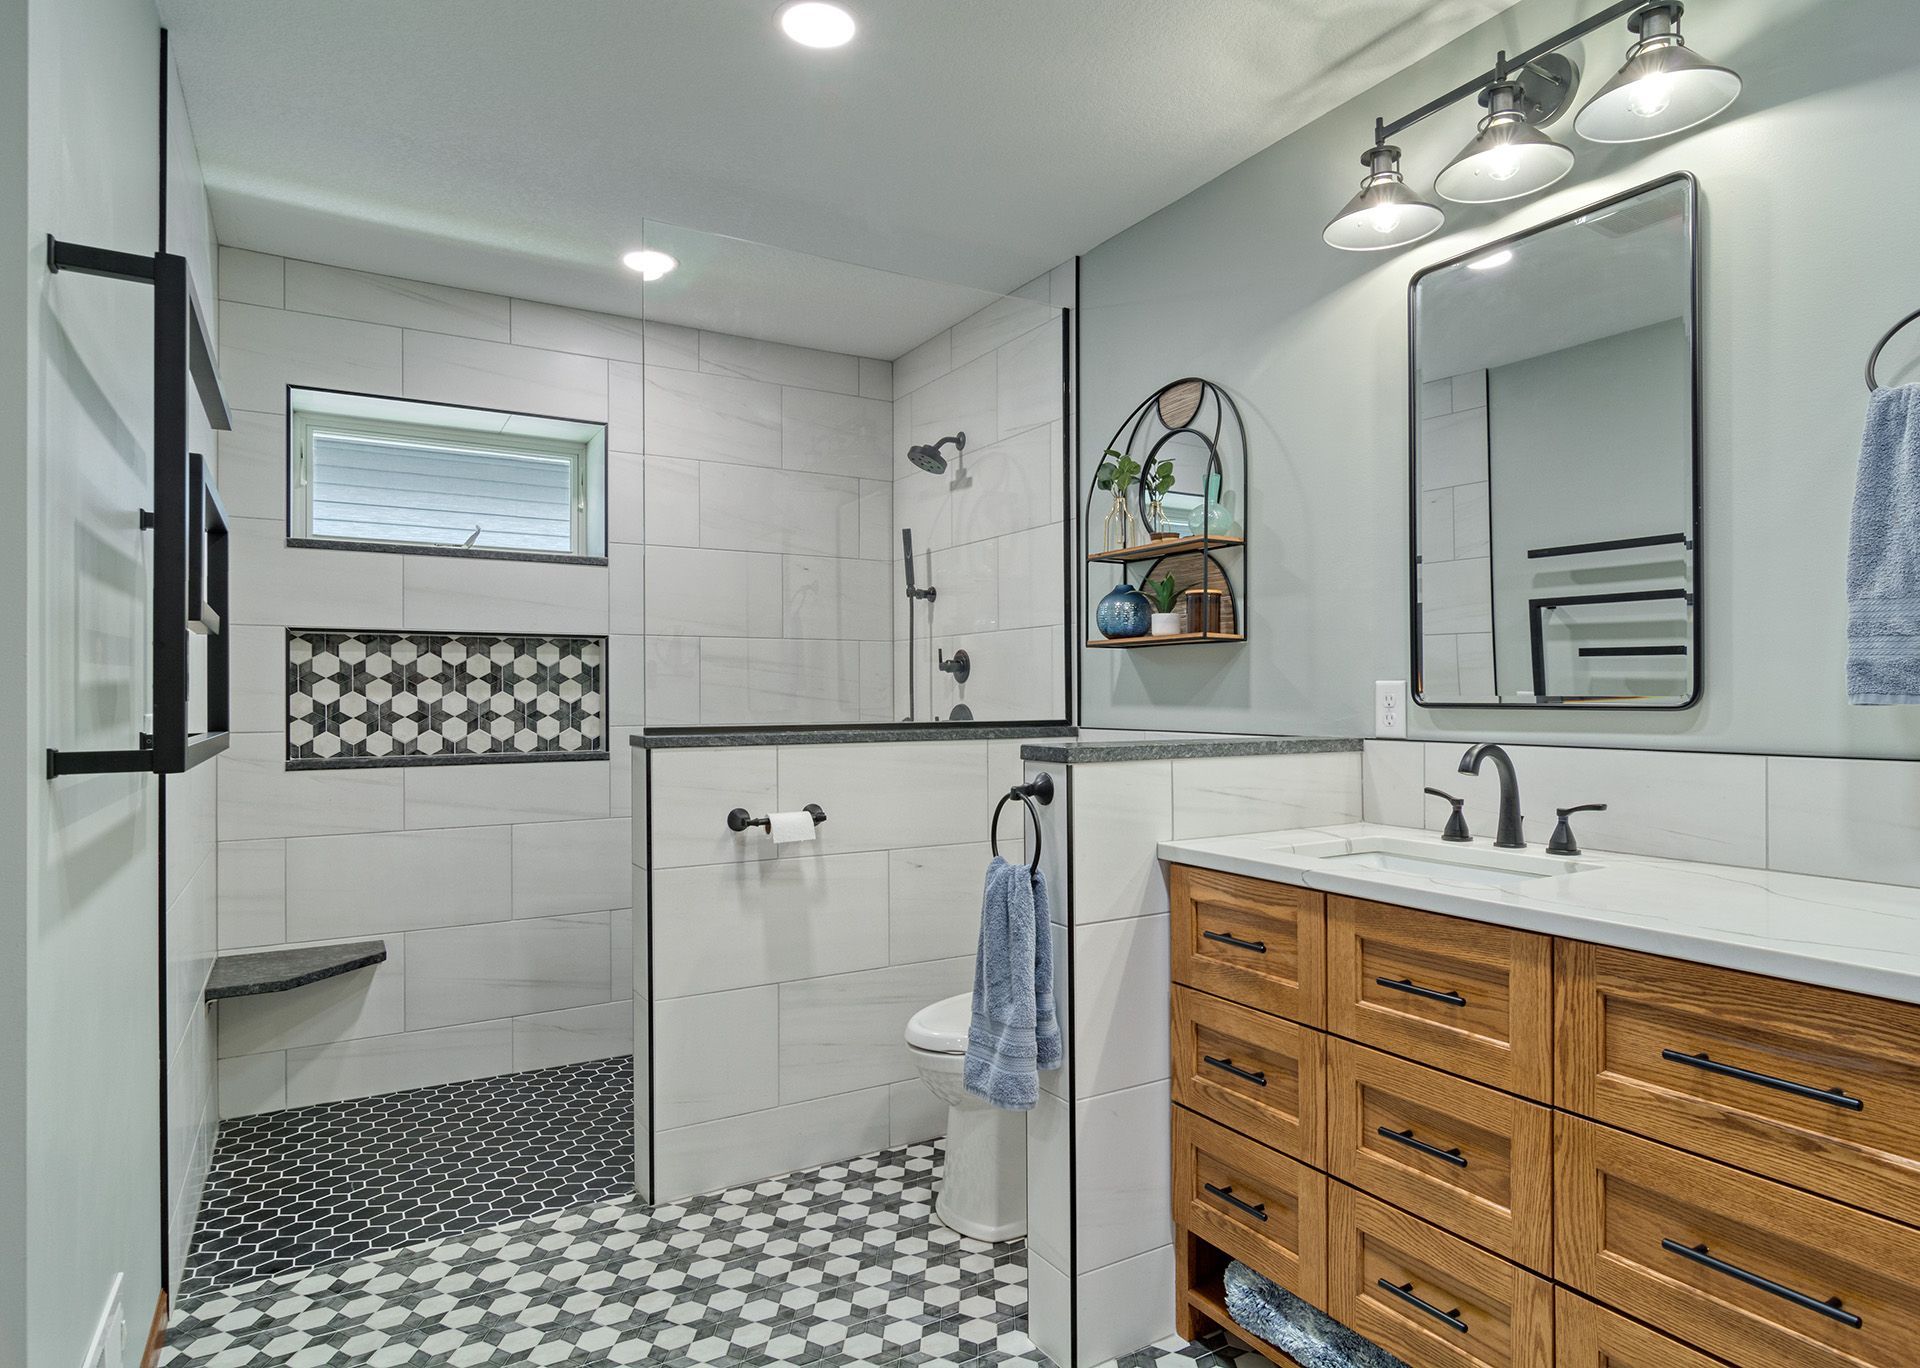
(929, 459)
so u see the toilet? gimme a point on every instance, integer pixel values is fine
(984, 1191)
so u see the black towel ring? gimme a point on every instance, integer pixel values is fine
(1042, 789)
(1885, 338)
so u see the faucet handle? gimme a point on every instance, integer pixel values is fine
(1457, 823)
(1563, 842)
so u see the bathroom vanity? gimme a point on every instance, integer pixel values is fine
(1493, 1108)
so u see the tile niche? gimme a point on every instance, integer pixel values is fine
(376, 698)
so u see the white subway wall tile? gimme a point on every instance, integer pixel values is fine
(925, 363)
(789, 510)
(1030, 390)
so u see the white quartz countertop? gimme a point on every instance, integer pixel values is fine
(1862, 937)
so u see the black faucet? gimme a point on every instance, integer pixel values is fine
(1508, 837)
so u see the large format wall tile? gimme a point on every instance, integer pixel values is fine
(457, 974)
(766, 921)
(720, 1154)
(315, 289)
(1124, 1166)
(879, 797)
(934, 898)
(259, 797)
(262, 351)
(1000, 323)
(1121, 812)
(1030, 391)
(1848, 819)
(573, 1035)
(712, 418)
(777, 681)
(276, 584)
(1230, 795)
(966, 399)
(835, 599)
(499, 795)
(1120, 987)
(716, 1055)
(613, 336)
(696, 789)
(712, 593)
(252, 277)
(798, 512)
(837, 434)
(460, 370)
(461, 594)
(382, 1064)
(345, 886)
(848, 1031)
(778, 363)
(366, 1002)
(253, 466)
(253, 893)
(571, 867)
(252, 1083)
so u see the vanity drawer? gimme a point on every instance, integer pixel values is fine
(1262, 1075)
(1475, 1162)
(1811, 1086)
(1472, 999)
(1760, 1274)
(1589, 1336)
(1435, 1301)
(1250, 941)
(1257, 1205)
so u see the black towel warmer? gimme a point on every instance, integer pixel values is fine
(191, 556)
(1040, 790)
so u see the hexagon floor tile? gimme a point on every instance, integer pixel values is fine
(842, 1264)
(313, 1185)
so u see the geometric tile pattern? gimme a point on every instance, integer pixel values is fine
(381, 697)
(841, 1264)
(314, 1185)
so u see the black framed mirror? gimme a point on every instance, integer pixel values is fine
(1554, 470)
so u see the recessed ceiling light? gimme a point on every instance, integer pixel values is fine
(1492, 260)
(816, 24)
(650, 264)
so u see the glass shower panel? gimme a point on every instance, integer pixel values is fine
(853, 484)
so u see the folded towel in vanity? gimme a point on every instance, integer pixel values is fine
(1883, 558)
(1314, 1339)
(1014, 1031)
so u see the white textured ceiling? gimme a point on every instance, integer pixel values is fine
(518, 146)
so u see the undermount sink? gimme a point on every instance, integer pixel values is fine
(1480, 867)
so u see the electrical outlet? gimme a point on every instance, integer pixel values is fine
(1389, 707)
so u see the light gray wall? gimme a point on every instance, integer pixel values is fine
(1807, 255)
(78, 471)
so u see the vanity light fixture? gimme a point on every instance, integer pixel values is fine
(1492, 261)
(816, 24)
(1665, 86)
(1507, 159)
(1385, 213)
(650, 264)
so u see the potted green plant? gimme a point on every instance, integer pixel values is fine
(1159, 485)
(1164, 593)
(1116, 472)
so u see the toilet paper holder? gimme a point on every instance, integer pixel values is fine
(740, 820)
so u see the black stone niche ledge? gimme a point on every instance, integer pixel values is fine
(275, 971)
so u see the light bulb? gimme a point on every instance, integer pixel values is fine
(1651, 95)
(1384, 219)
(650, 264)
(1503, 163)
(816, 24)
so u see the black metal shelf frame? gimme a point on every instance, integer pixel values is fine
(1679, 539)
(1537, 610)
(190, 541)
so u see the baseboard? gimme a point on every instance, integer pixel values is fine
(156, 1333)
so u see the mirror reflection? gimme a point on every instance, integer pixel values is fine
(1554, 464)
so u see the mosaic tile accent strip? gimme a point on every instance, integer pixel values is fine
(842, 1264)
(296, 1189)
(371, 698)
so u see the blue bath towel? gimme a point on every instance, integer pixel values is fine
(1315, 1340)
(1883, 560)
(1015, 1031)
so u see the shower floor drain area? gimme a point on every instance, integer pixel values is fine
(314, 1185)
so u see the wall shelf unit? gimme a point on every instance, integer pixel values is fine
(1193, 427)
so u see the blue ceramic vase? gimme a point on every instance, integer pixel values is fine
(1123, 613)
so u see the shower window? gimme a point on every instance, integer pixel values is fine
(389, 473)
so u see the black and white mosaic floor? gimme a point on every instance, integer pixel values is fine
(841, 1265)
(315, 1185)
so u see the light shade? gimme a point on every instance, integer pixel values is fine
(1665, 86)
(1385, 213)
(1508, 157)
(815, 24)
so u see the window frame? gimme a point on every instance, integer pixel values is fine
(586, 457)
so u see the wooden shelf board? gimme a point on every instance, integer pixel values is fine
(1177, 639)
(1211, 1303)
(1173, 546)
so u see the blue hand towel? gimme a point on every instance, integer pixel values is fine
(1014, 1031)
(1883, 560)
(1315, 1340)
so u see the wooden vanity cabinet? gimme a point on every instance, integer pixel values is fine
(1484, 1147)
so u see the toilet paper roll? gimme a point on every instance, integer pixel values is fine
(789, 827)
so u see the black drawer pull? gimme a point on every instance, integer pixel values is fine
(1406, 1137)
(1257, 1210)
(1831, 1309)
(1431, 994)
(1834, 1097)
(1405, 1292)
(1229, 1066)
(1228, 938)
